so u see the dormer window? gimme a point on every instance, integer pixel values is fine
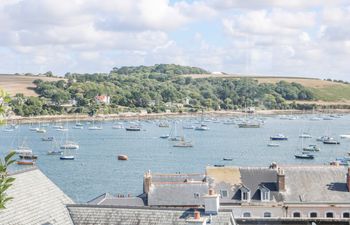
(223, 193)
(245, 194)
(264, 193)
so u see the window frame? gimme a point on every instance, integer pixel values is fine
(268, 213)
(313, 212)
(223, 191)
(343, 213)
(294, 212)
(333, 214)
(250, 214)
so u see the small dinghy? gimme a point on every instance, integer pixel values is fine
(122, 157)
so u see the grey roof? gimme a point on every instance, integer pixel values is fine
(88, 215)
(177, 190)
(254, 177)
(108, 199)
(316, 184)
(37, 200)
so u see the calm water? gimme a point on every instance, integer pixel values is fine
(96, 169)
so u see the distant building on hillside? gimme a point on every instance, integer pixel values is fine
(105, 99)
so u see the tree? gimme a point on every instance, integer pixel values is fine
(5, 180)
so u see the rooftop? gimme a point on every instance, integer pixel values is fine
(37, 200)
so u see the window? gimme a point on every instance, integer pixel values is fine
(265, 195)
(346, 215)
(267, 214)
(196, 195)
(245, 196)
(329, 215)
(313, 214)
(247, 214)
(296, 214)
(223, 193)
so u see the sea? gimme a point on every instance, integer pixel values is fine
(97, 170)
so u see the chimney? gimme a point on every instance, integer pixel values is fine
(348, 179)
(211, 202)
(147, 182)
(281, 180)
(197, 219)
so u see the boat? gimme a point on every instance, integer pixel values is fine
(27, 155)
(249, 124)
(62, 129)
(227, 159)
(165, 136)
(123, 157)
(47, 138)
(69, 145)
(34, 128)
(118, 126)
(304, 155)
(78, 127)
(311, 148)
(55, 152)
(188, 127)
(183, 144)
(345, 136)
(229, 122)
(331, 141)
(202, 127)
(278, 137)
(305, 135)
(93, 127)
(57, 126)
(67, 157)
(41, 130)
(25, 162)
(219, 165)
(273, 145)
(133, 128)
(163, 124)
(322, 138)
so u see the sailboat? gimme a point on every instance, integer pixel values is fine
(173, 136)
(182, 143)
(40, 129)
(93, 127)
(69, 144)
(54, 150)
(202, 126)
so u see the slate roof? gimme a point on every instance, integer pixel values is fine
(171, 178)
(37, 200)
(316, 184)
(98, 215)
(253, 177)
(177, 194)
(108, 199)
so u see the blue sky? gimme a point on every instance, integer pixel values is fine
(261, 37)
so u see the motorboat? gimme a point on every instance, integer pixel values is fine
(165, 136)
(133, 128)
(118, 126)
(62, 129)
(322, 138)
(67, 157)
(163, 125)
(123, 157)
(78, 127)
(41, 130)
(331, 141)
(311, 148)
(279, 137)
(227, 159)
(28, 155)
(34, 129)
(47, 138)
(273, 145)
(95, 128)
(304, 155)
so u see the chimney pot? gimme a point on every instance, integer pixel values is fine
(211, 192)
(197, 215)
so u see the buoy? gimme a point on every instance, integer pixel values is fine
(122, 157)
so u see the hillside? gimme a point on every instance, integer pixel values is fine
(324, 90)
(13, 84)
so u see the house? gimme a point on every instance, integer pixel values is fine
(103, 99)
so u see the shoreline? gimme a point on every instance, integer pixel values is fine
(150, 116)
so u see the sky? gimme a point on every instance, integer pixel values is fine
(309, 38)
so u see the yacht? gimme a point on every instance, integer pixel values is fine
(278, 137)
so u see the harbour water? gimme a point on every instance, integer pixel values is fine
(96, 169)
